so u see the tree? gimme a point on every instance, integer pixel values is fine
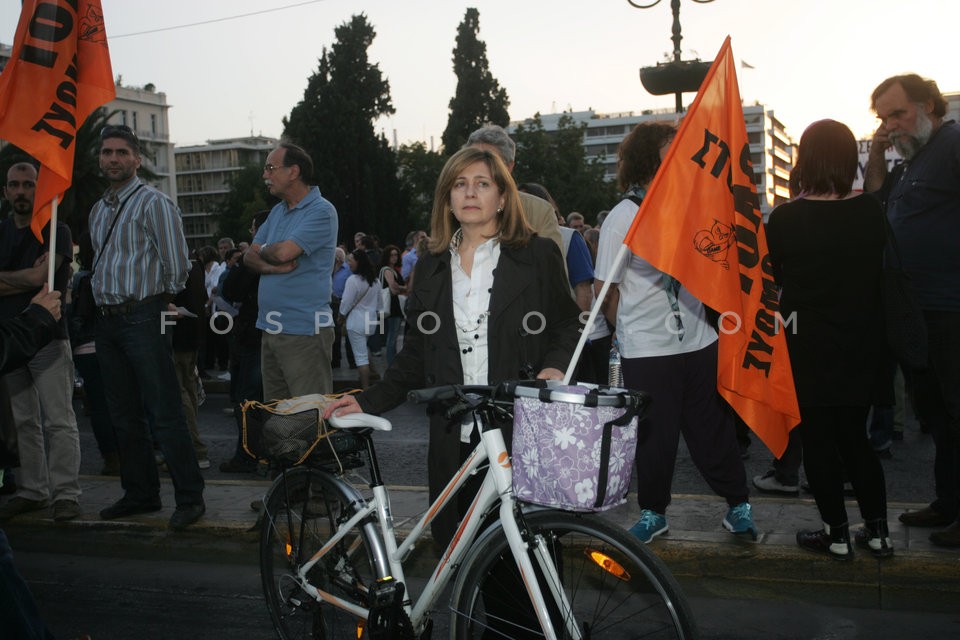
(248, 195)
(419, 170)
(479, 98)
(355, 168)
(558, 161)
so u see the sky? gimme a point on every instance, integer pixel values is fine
(811, 59)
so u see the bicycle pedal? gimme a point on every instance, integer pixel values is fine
(387, 619)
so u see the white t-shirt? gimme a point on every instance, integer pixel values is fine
(361, 301)
(645, 320)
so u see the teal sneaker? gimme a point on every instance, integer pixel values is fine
(649, 526)
(739, 519)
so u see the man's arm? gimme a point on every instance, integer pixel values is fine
(26, 280)
(166, 225)
(876, 169)
(255, 260)
(610, 303)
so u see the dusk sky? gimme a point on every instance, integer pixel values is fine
(812, 58)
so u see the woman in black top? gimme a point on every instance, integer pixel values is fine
(826, 249)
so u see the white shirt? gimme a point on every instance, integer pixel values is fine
(471, 314)
(360, 302)
(645, 319)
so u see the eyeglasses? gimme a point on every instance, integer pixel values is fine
(270, 168)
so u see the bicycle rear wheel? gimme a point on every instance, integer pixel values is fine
(614, 587)
(301, 512)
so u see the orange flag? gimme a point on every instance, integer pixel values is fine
(701, 223)
(58, 73)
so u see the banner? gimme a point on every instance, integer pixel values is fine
(58, 73)
(701, 224)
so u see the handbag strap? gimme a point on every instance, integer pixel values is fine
(112, 225)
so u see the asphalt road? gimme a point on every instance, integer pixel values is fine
(124, 599)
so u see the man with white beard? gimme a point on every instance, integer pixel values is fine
(922, 198)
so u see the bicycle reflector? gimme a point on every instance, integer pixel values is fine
(608, 564)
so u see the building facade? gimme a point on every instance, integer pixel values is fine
(771, 149)
(204, 174)
(145, 110)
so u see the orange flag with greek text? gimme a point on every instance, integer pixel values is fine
(701, 223)
(59, 72)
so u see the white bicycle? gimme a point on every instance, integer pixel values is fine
(332, 567)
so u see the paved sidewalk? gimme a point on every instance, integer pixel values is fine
(706, 558)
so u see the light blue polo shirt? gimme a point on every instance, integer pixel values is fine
(298, 303)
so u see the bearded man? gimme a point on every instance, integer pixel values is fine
(922, 199)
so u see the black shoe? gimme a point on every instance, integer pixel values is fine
(874, 536)
(885, 454)
(186, 515)
(926, 517)
(835, 544)
(949, 537)
(123, 507)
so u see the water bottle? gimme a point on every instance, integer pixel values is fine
(615, 372)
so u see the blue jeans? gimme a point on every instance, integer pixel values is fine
(246, 383)
(136, 360)
(393, 330)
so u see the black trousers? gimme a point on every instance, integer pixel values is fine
(835, 441)
(937, 396)
(685, 400)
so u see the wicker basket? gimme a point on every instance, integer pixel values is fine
(292, 432)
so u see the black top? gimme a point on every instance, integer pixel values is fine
(19, 249)
(827, 256)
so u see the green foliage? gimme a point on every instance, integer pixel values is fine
(355, 168)
(479, 98)
(248, 195)
(557, 160)
(419, 170)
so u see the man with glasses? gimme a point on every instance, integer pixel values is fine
(44, 386)
(293, 252)
(140, 263)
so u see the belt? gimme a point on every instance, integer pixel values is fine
(124, 308)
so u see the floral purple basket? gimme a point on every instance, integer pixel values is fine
(574, 445)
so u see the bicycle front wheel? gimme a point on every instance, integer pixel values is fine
(607, 586)
(301, 512)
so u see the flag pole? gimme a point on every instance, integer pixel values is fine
(52, 254)
(584, 333)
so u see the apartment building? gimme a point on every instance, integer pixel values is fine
(203, 175)
(771, 149)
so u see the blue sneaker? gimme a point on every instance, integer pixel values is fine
(739, 519)
(649, 526)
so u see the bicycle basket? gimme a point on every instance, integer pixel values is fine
(291, 432)
(574, 445)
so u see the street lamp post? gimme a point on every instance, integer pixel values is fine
(678, 76)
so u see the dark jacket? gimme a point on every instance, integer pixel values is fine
(531, 279)
(189, 332)
(240, 288)
(23, 335)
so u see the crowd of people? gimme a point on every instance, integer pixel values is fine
(148, 321)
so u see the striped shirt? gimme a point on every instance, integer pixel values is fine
(146, 254)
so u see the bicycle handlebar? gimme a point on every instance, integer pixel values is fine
(448, 392)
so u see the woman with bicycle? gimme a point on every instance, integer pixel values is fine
(490, 302)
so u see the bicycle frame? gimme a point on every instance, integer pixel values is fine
(389, 556)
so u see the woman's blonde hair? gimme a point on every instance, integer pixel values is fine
(512, 225)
